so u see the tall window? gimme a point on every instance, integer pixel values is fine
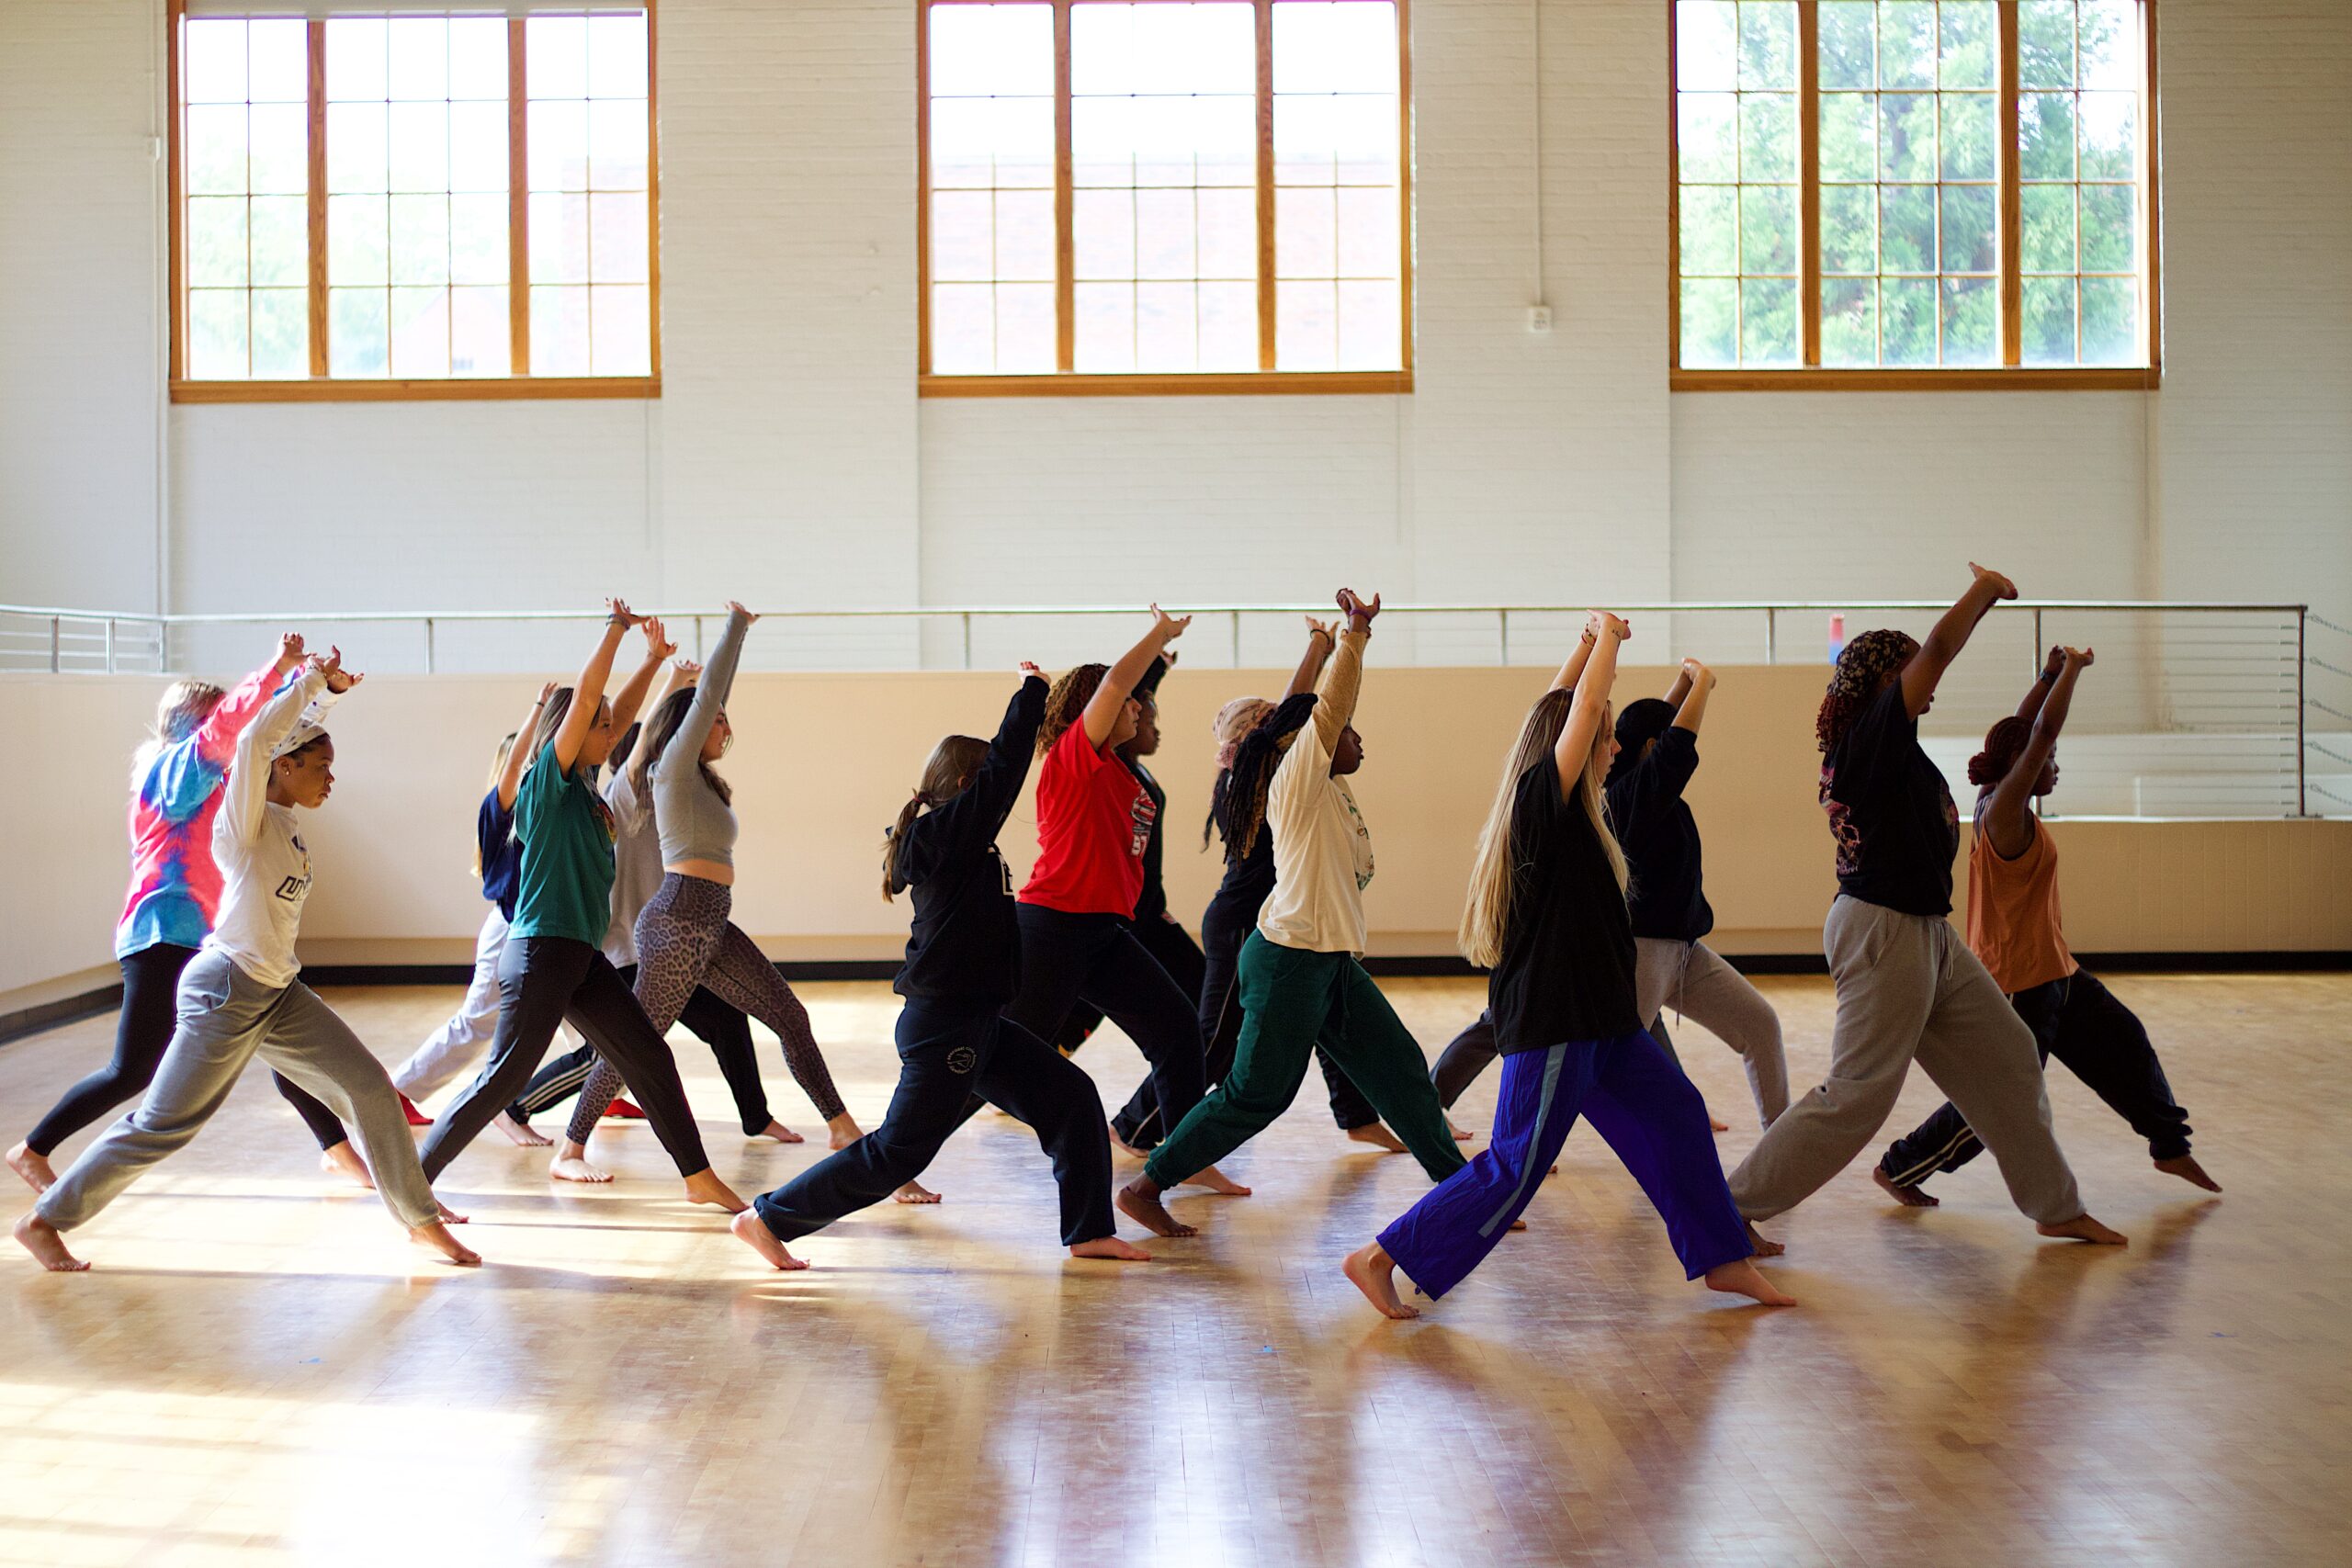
(1914, 192)
(409, 199)
(1164, 195)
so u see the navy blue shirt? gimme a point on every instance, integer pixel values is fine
(502, 856)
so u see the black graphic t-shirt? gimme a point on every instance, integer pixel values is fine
(1661, 839)
(1891, 812)
(1567, 971)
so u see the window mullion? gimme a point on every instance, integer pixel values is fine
(1266, 292)
(2012, 261)
(315, 202)
(1809, 178)
(1065, 203)
(518, 203)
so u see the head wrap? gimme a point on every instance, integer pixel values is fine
(1642, 721)
(1867, 661)
(1233, 724)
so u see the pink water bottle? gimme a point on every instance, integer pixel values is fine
(1836, 635)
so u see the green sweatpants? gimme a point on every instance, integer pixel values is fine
(1290, 1001)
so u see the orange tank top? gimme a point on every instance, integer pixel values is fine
(2013, 912)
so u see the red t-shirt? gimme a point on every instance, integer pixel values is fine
(1093, 819)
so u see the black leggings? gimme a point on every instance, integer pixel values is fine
(1067, 959)
(543, 980)
(151, 984)
(724, 1029)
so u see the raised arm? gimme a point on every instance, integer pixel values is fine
(588, 687)
(246, 791)
(630, 700)
(216, 738)
(1688, 695)
(1335, 693)
(1950, 635)
(970, 820)
(1572, 670)
(2012, 798)
(518, 756)
(1320, 641)
(2031, 703)
(1591, 704)
(684, 750)
(1101, 714)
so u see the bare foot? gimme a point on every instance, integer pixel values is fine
(753, 1233)
(38, 1175)
(1910, 1197)
(843, 1130)
(2082, 1227)
(522, 1135)
(2185, 1168)
(1139, 1201)
(571, 1164)
(451, 1216)
(1112, 1248)
(343, 1160)
(1216, 1181)
(1372, 1272)
(1764, 1246)
(1519, 1225)
(914, 1192)
(781, 1133)
(1461, 1135)
(1126, 1148)
(437, 1236)
(1743, 1279)
(42, 1239)
(1377, 1134)
(704, 1187)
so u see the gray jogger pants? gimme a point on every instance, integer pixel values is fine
(1692, 980)
(225, 1017)
(1908, 987)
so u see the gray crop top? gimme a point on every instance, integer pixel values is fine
(694, 822)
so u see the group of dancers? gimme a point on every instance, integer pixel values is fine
(606, 855)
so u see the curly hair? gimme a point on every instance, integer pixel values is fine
(1866, 662)
(1066, 704)
(2004, 744)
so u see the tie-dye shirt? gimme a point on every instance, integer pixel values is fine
(175, 886)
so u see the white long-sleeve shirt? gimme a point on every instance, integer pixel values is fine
(265, 869)
(1322, 849)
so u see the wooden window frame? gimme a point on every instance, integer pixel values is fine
(1067, 382)
(321, 387)
(2012, 375)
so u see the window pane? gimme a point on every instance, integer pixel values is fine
(620, 330)
(1908, 136)
(559, 241)
(1710, 231)
(2050, 320)
(212, 62)
(420, 147)
(1024, 328)
(477, 238)
(278, 61)
(1968, 243)
(555, 57)
(1305, 237)
(1768, 47)
(1709, 322)
(1737, 155)
(420, 247)
(1024, 235)
(216, 241)
(1768, 321)
(1106, 328)
(618, 246)
(1707, 36)
(1306, 325)
(477, 58)
(1849, 44)
(216, 150)
(418, 53)
(963, 329)
(216, 334)
(355, 150)
(357, 66)
(358, 240)
(1849, 321)
(558, 330)
(280, 231)
(2046, 136)
(1907, 235)
(2109, 136)
(1371, 319)
(1849, 137)
(1768, 229)
(1848, 230)
(963, 234)
(2108, 43)
(2109, 225)
(1348, 47)
(1228, 326)
(1230, 229)
(278, 149)
(2047, 242)
(983, 49)
(556, 140)
(1165, 226)
(617, 155)
(1968, 53)
(1972, 321)
(480, 336)
(2046, 46)
(616, 60)
(1706, 136)
(1907, 43)
(1167, 335)
(1367, 235)
(357, 344)
(1969, 137)
(420, 332)
(281, 333)
(2111, 321)
(478, 146)
(1908, 321)
(1768, 136)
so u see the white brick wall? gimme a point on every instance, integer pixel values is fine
(790, 461)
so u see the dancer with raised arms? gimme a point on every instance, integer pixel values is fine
(243, 993)
(1547, 915)
(954, 1045)
(1908, 985)
(2013, 926)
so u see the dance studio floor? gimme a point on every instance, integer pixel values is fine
(260, 1370)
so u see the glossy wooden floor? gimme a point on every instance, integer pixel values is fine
(260, 1370)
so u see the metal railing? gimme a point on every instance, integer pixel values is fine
(2227, 708)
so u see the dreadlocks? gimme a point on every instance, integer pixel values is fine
(1241, 798)
(1232, 726)
(1861, 668)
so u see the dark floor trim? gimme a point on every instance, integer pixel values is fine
(65, 1009)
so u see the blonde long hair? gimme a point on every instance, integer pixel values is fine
(184, 707)
(1485, 916)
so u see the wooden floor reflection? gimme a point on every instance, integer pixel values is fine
(259, 1370)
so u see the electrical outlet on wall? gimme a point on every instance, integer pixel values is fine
(1539, 318)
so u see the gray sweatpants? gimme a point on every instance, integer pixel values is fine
(225, 1017)
(1691, 978)
(1908, 987)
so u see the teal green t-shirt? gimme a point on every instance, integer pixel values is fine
(566, 830)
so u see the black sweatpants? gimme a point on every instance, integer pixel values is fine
(151, 984)
(950, 1051)
(2101, 1041)
(544, 980)
(1096, 959)
(724, 1029)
